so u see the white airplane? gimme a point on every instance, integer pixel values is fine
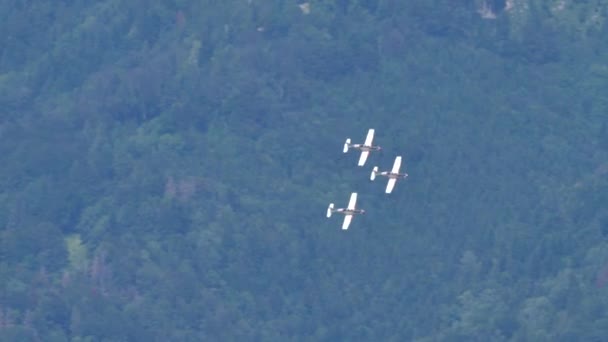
(392, 175)
(365, 147)
(348, 212)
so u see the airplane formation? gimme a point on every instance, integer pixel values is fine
(393, 175)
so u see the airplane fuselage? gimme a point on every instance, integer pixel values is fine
(397, 175)
(392, 175)
(348, 211)
(363, 147)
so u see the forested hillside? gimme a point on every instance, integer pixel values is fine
(165, 167)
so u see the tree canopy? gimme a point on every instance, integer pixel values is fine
(166, 166)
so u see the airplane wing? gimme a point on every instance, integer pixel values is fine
(390, 185)
(370, 137)
(353, 201)
(363, 157)
(397, 165)
(347, 219)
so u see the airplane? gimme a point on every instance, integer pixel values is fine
(348, 212)
(365, 147)
(392, 175)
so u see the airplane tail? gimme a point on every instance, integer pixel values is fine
(329, 209)
(346, 145)
(373, 175)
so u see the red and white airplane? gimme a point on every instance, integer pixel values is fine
(392, 175)
(348, 212)
(365, 147)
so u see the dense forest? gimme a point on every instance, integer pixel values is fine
(165, 167)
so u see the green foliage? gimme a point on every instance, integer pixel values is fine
(77, 253)
(166, 166)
